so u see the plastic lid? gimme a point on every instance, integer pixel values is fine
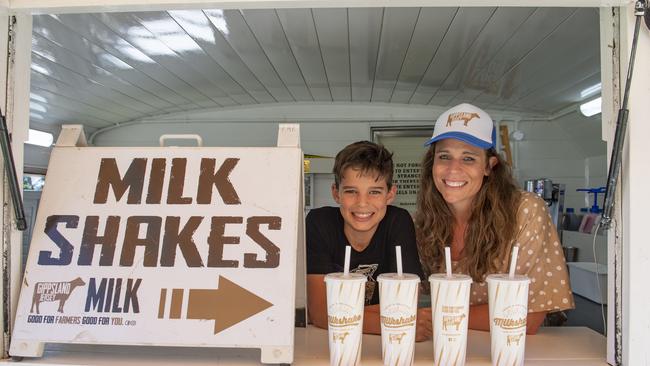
(570, 210)
(506, 277)
(339, 276)
(455, 277)
(396, 277)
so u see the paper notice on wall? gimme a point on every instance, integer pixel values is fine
(406, 175)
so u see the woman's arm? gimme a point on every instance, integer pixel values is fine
(479, 319)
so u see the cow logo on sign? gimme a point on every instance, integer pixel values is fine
(53, 291)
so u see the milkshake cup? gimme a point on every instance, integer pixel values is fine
(398, 306)
(345, 304)
(508, 300)
(450, 312)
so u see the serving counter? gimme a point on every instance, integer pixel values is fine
(552, 345)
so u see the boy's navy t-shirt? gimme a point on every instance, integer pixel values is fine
(326, 244)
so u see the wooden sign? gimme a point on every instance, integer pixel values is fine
(164, 246)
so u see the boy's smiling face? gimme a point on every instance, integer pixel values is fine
(363, 199)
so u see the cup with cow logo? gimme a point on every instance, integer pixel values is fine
(345, 303)
(449, 315)
(508, 301)
(398, 301)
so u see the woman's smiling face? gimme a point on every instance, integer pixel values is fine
(458, 171)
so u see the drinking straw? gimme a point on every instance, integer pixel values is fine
(448, 260)
(513, 261)
(398, 253)
(346, 264)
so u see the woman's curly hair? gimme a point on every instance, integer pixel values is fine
(491, 227)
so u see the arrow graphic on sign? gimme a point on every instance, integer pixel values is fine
(227, 305)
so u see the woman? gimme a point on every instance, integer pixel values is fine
(468, 200)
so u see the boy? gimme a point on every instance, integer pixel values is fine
(363, 188)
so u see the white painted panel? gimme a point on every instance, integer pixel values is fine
(67, 48)
(59, 89)
(333, 37)
(56, 115)
(365, 27)
(166, 29)
(300, 30)
(120, 31)
(79, 107)
(36, 158)
(45, 58)
(236, 31)
(268, 31)
(538, 26)
(542, 167)
(464, 29)
(561, 86)
(568, 95)
(497, 32)
(100, 82)
(323, 190)
(77, 6)
(549, 149)
(432, 25)
(316, 138)
(197, 25)
(549, 55)
(396, 36)
(156, 79)
(128, 27)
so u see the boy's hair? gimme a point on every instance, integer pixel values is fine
(366, 156)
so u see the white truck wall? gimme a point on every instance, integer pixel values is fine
(567, 150)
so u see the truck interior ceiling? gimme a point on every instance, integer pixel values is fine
(345, 74)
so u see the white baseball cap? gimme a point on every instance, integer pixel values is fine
(466, 123)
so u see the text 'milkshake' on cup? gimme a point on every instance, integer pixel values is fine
(398, 305)
(345, 304)
(508, 301)
(449, 315)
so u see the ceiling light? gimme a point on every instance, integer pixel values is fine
(591, 90)
(592, 107)
(40, 138)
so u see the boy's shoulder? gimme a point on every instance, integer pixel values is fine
(394, 211)
(396, 217)
(323, 213)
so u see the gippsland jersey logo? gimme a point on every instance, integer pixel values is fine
(461, 116)
(54, 291)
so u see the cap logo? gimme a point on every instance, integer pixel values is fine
(461, 116)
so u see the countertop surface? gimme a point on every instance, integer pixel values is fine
(551, 345)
